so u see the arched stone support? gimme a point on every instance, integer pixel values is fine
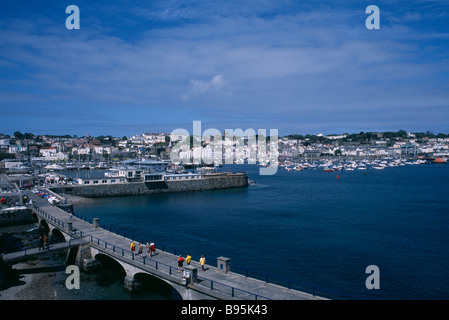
(43, 222)
(131, 284)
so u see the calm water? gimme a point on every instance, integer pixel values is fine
(308, 227)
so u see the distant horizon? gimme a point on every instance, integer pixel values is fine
(168, 133)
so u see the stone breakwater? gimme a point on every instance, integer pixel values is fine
(207, 182)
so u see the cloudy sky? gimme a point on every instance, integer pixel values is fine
(154, 66)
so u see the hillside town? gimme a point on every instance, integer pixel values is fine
(19, 151)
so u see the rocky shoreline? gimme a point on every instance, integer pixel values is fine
(33, 279)
(77, 200)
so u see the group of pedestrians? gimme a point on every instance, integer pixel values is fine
(188, 259)
(150, 249)
(43, 242)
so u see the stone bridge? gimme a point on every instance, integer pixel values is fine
(100, 245)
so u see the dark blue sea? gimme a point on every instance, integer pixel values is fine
(307, 229)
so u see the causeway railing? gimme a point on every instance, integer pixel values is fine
(172, 271)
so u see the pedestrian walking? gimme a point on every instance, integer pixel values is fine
(188, 259)
(41, 242)
(180, 262)
(46, 242)
(202, 262)
(153, 249)
(140, 249)
(133, 247)
(147, 246)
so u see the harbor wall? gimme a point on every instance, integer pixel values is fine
(16, 216)
(208, 182)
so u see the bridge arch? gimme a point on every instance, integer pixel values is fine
(35, 217)
(133, 276)
(43, 227)
(110, 263)
(56, 236)
(162, 288)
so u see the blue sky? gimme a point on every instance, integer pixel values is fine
(154, 66)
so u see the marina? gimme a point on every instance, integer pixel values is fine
(350, 165)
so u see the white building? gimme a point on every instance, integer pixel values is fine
(336, 137)
(4, 142)
(100, 181)
(102, 150)
(47, 151)
(86, 150)
(147, 165)
(12, 164)
(17, 148)
(57, 157)
(152, 138)
(182, 177)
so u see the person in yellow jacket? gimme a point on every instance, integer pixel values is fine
(188, 259)
(202, 262)
(133, 247)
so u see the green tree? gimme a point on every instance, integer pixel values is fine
(402, 134)
(28, 136)
(18, 135)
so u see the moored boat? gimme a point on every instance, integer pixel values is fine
(440, 160)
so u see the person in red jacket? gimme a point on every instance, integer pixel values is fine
(180, 262)
(153, 249)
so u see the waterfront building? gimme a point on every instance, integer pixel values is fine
(100, 181)
(147, 165)
(128, 172)
(186, 176)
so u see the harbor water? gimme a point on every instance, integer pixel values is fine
(311, 229)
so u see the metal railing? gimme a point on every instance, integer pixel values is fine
(314, 290)
(30, 247)
(172, 271)
(52, 219)
(230, 290)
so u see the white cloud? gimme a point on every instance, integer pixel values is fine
(200, 87)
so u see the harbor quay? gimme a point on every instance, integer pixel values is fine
(110, 187)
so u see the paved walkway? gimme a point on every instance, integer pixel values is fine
(14, 256)
(164, 264)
